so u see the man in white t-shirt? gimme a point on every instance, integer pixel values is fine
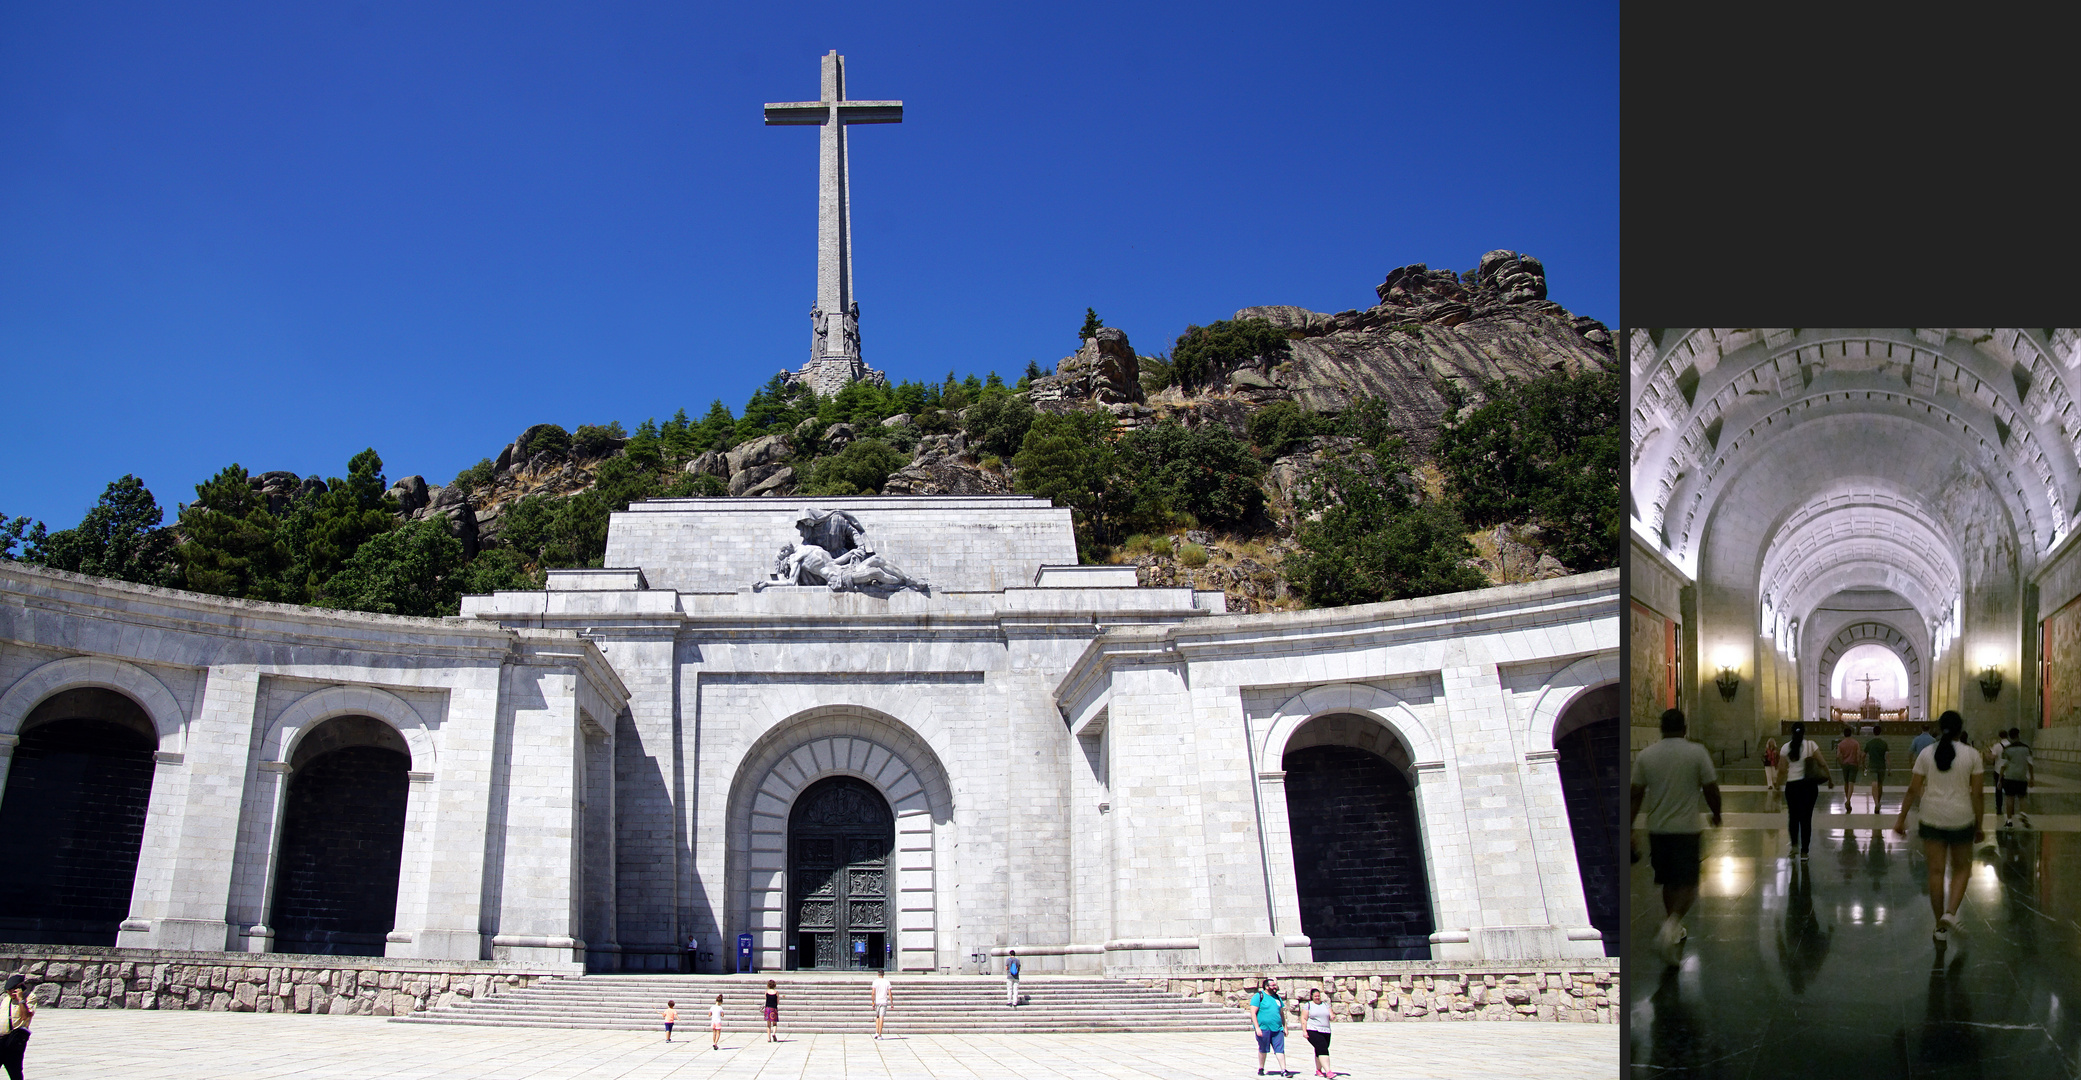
(1669, 779)
(884, 996)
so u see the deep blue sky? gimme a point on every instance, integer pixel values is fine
(278, 233)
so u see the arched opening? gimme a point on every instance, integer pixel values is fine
(74, 817)
(1586, 740)
(343, 835)
(841, 835)
(1357, 842)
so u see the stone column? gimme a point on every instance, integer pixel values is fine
(1513, 914)
(253, 892)
(1284, 878)
(7, 745)
(536, 787)
(183, 893)
(414, 864)
(1553, 837)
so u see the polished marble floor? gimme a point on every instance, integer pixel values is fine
(1826, 968)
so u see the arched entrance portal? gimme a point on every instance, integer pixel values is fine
(841, 835)
(73, 818)
(343, 834)
(1586, 739)
(1357, 843)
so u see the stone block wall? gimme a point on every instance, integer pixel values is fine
(88, 978)
(1584, 993)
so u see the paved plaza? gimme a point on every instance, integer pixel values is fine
(256, 1046)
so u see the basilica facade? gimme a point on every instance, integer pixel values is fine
(876, 732)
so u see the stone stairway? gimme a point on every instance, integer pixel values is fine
(838, 1004)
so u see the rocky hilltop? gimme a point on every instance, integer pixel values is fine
(1430, 328)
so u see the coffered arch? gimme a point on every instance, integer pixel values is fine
(1706, 400)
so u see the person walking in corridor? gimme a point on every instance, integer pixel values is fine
(1011, 978)
(1994, 762)
(1949, 784)
(1669, 779)
(1849, 753)
(1803, 772)
(1875, 766)
(2017, 773)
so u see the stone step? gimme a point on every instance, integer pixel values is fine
(840, 1005)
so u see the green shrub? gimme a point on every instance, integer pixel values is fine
(592, 440)
(859, 469)
(1192, 555)
(1203, 351)
(1547, 450)
(998, 423)
(1161, 546)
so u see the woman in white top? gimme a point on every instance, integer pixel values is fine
(1799, 755)
(1318, 1025)
(1949, 782)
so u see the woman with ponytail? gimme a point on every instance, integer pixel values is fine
(1799, 757)
(1949, 782)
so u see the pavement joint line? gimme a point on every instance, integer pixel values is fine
(145, 1045)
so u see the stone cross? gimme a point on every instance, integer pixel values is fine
(835, 322)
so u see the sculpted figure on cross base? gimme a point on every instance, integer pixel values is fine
(834, 553)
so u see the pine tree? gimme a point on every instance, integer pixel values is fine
(232, 545)
(1092, 325)
(119, 538)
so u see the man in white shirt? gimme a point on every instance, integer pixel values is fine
(1669, 778)
(884, 995)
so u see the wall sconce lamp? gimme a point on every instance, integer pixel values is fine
(1991, 681)
(1728, 682)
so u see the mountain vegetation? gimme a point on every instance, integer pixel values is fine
(1177, 463)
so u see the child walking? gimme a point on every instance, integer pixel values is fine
(671, 1015)
(715, 1024)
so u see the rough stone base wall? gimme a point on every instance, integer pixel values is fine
(84, 978)
(1584, 994)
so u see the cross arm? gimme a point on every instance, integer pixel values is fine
(797, 112)
(819, 112)
(870, 112)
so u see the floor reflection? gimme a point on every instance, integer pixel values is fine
(1826, 967)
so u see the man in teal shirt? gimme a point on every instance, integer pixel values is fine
(1268, 1017)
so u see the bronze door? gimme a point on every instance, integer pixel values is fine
(840, 839)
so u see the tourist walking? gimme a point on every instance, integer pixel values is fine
(715, 1024)
(772, 1010)
(671, 1015)
(1803, 772)
(1920, 743)
(1875, 766)
(2017, 773)
(16, 1041)
(1994, 761)
(1011, 978)
(1268, 1019)
(1318, 1028)
(1948, 783)
(1770, 764)
(1669, 779)
(1849, 753)
(884, 997)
